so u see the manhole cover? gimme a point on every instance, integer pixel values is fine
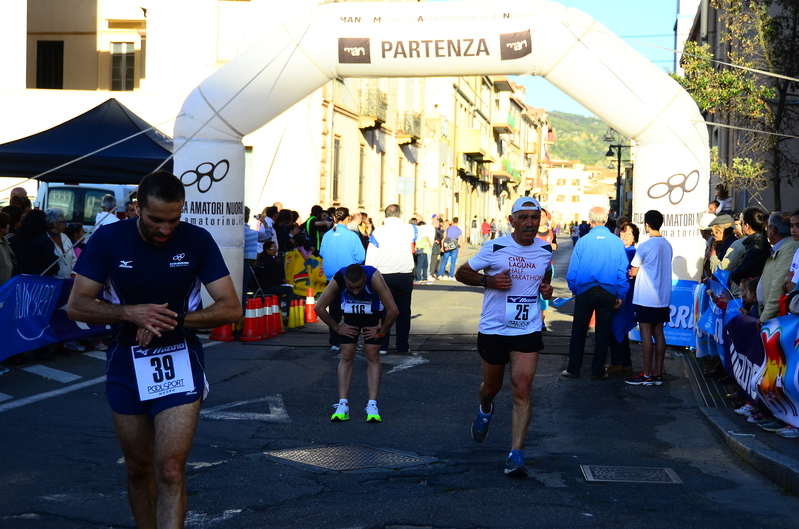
(348, 457)
(594, 473)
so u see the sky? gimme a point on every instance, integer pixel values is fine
(636, 21)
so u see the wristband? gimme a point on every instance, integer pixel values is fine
(181, 319)
(380, 334)
(484, 281)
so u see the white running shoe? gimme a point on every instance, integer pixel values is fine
(372, 415)
(746, 410)
(789, 432)
(342, 412)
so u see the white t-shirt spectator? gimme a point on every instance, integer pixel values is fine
(795, 268)
(653, 282)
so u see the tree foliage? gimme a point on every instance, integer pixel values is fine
(757, 38)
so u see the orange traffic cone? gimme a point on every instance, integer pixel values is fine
(278, 315)
(267, 318)
(260, 316)
(269, 301)
(223, 334)
(250, 332)
(310, 303)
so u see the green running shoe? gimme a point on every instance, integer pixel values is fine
(342, 413)
(372, 415)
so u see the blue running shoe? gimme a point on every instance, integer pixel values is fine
(481, 424)
(514, 466)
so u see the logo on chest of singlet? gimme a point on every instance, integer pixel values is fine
(125, 264)
(178, 261)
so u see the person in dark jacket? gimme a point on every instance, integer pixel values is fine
(38, 252)
(270, 275)
(758, 248)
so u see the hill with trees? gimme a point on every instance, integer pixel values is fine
(578, 138)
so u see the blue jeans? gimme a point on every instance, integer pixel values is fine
(452, 256)
(420, 274)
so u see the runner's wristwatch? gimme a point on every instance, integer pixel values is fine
(484, 281)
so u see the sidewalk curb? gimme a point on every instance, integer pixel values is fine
(779, 468)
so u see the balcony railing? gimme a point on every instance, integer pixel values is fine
(373, 108)
(409, 127)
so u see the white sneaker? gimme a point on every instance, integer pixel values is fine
(372, 415)
(746, 410)
(383, 352)
(335, 348)
(74, 346)
(789, 432)
(342, 412)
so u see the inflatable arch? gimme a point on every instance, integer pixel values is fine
(459, 38)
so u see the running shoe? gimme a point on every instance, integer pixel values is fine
(789, 432)
(760, 418)
(342, 412)
(746, 410)
(372, 415)
(335, 348)
(654, 380)
(481, 424)
(100, 346)
(74, 346)
(774, 425)
(640, 380)
(514, 466)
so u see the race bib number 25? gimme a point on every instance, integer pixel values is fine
(519, 311)
(162, 371)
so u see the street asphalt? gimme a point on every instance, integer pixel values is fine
(266, 455)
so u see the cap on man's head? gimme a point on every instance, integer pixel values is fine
(525, 204)
(705, 220)
(721, 220)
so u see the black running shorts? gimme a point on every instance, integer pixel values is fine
(651, 314)
(361, 321)
(495, 348)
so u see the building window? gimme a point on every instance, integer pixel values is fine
(576, 182)
(560, 198)
(361, 176)
(575, 198)
(50, 64)
(336, 169)
(560, 182)
(122, 66)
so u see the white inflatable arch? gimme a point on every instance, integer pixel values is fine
(460, 38)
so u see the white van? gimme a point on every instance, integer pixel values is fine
(81, 202)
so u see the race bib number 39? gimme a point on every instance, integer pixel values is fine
(518, 311)
(162, 371)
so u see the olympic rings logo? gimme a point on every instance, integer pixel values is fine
(676, 187)
(179, 257)
(206, 174)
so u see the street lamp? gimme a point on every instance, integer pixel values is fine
(610, 136)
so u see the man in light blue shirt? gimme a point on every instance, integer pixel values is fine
(340, 248)
(250, 254)
(597, 277)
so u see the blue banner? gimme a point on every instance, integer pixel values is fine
(777, 381)
(679, 330)
(26, 305)
(743, 353)
(33, 314)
